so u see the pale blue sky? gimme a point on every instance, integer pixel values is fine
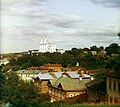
(69, 23)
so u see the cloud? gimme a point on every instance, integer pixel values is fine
(64, 21)
(108, 3)
(26, 21)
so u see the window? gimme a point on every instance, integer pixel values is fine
(58, 93)
(110, 86)
(28, 75)
(119, 87)
(114, 85)
(111, 99)
(77, 94)
(53, 92)
(71, 95)
(63, 95)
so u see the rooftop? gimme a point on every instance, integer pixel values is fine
(113, 74)
(45, 76)
(53, 65)
(34, 68)
(69, 84)
(27, 72)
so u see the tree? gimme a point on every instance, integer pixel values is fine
(86, 49)
(12, 61)
(101, 48)
(94, 48)
(2, 82)
(114, 48)
(20, 93)
(117, 63)
(67, 60)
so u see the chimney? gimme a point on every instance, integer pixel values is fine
(81, 72)
(64, 74)
(80, 78)
(92, 78)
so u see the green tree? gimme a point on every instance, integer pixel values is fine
(114, 63)
(33, 61)
(12, 61)
(67, 60)
(20, 93)
(113, 49)
(94, 48)
(101, 48)
(2, 82)
(117, 63)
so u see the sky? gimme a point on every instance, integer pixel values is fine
(68, 23)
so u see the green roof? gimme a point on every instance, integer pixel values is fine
(27, 72)
(69, 84)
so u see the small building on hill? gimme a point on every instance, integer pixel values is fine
(33, 68)
(54, 67)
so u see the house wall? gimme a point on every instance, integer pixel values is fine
(113, 90)
(56, 94)
(25, 76)
(44, 87)
(37, 84)
(41, 86)
(72, 94)
(59, 94)
(95, 96)
(55, 68)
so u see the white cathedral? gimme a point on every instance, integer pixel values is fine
(46, 45)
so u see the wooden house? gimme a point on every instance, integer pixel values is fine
(66, 87)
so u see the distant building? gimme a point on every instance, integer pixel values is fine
(54, 67)
(94, 52)
(4, 61)
(26, 75)
(33, 68)
(46, 45)
(33, 51)
(60, 50)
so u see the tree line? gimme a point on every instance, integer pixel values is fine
(111, 60)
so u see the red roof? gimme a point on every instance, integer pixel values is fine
(53, 65)
(91, 71)
(33, 68)
(77, 68)
(44, 68)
